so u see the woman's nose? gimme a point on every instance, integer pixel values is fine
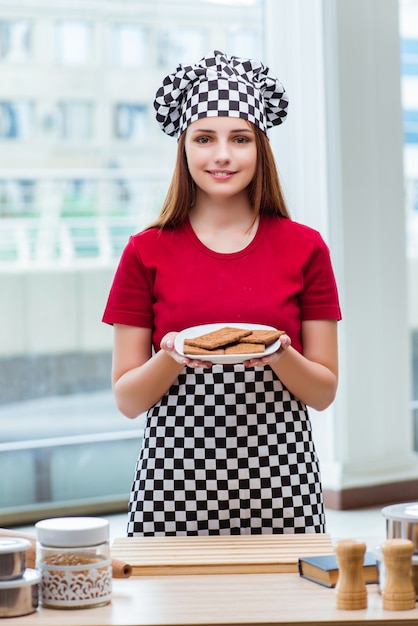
(222, 154)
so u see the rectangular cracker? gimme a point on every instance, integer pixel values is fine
(264, 336)
(218, 338)
(188, 349)
(245, 348)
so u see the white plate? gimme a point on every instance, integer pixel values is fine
(223, 359)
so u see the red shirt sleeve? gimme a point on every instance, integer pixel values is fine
(130, 299)
(319, 298)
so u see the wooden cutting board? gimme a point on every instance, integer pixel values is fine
(218, 554)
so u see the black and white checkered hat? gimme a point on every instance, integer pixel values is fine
(218, 86)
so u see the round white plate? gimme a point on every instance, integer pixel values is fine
(223, 359)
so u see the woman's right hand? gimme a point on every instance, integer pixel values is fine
(168, 345)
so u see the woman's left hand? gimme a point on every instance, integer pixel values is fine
(285, 342)
(167, 344)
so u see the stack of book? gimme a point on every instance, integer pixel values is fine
(323, 569)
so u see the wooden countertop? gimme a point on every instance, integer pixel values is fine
(281, 599)
(221, 581)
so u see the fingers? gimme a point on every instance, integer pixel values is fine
(285, 342)
(168, 345)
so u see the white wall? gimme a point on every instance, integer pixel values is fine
(54, 311)
(412, 274)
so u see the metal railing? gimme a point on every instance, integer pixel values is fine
(74, 216)
(25, 242)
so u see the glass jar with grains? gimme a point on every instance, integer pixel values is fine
(73, 556)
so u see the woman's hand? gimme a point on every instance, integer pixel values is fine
(167, 344)
(285, 342)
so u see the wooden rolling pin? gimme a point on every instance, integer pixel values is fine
(120, 569)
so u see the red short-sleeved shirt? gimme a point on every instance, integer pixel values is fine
(168, 280)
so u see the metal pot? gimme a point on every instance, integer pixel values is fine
(21, 595)
(12, 557)
(402, 522)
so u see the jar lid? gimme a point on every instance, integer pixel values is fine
(29, 577)
(402, 512)
(13, 544)
(69, 532)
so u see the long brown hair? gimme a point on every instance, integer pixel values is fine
(264, 191)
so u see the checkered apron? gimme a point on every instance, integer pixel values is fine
(228, 450)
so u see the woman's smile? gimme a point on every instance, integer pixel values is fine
(221, 174)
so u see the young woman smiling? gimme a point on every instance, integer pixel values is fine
(227, 448)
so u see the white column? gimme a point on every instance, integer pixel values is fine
(340, 160)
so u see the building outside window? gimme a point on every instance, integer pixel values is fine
(16, 197)
(130, 122)
(87, 76)
(411, 125)
(74, 121)
(15, 40)
(16, 119)
(409, 90)
(73, 42)
(129, 45)
(181, 45)
(409, 59)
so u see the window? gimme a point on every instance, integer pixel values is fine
(14, 40)
(410, 120)
(408, 19)
(75, 121)
(181, 45)
(16, 119)
(129, 44)
(76, 180)
(16, 197)
(131, 122)
(73, 42)
(409, 57)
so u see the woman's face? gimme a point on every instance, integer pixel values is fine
(221, 155)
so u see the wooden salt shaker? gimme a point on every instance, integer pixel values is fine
(399, 592)
(351, 592)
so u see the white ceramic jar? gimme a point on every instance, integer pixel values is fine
(73, 556)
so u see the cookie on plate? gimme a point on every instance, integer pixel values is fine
(264, 336)
(188, 349)
(245, 348)
(217, 338)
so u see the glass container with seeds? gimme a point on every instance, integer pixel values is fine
(73, 556)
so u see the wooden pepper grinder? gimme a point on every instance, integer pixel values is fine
(399, 592)
(351, 592)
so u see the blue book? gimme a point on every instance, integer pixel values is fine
(323, 569)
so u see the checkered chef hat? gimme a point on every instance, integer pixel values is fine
(218, 86)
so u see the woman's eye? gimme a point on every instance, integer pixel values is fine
(241, 139)
(202, 139)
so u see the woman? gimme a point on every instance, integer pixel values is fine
(227, 449)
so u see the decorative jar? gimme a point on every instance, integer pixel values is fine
(73, 556)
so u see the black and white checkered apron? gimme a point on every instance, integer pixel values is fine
(228, 450)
